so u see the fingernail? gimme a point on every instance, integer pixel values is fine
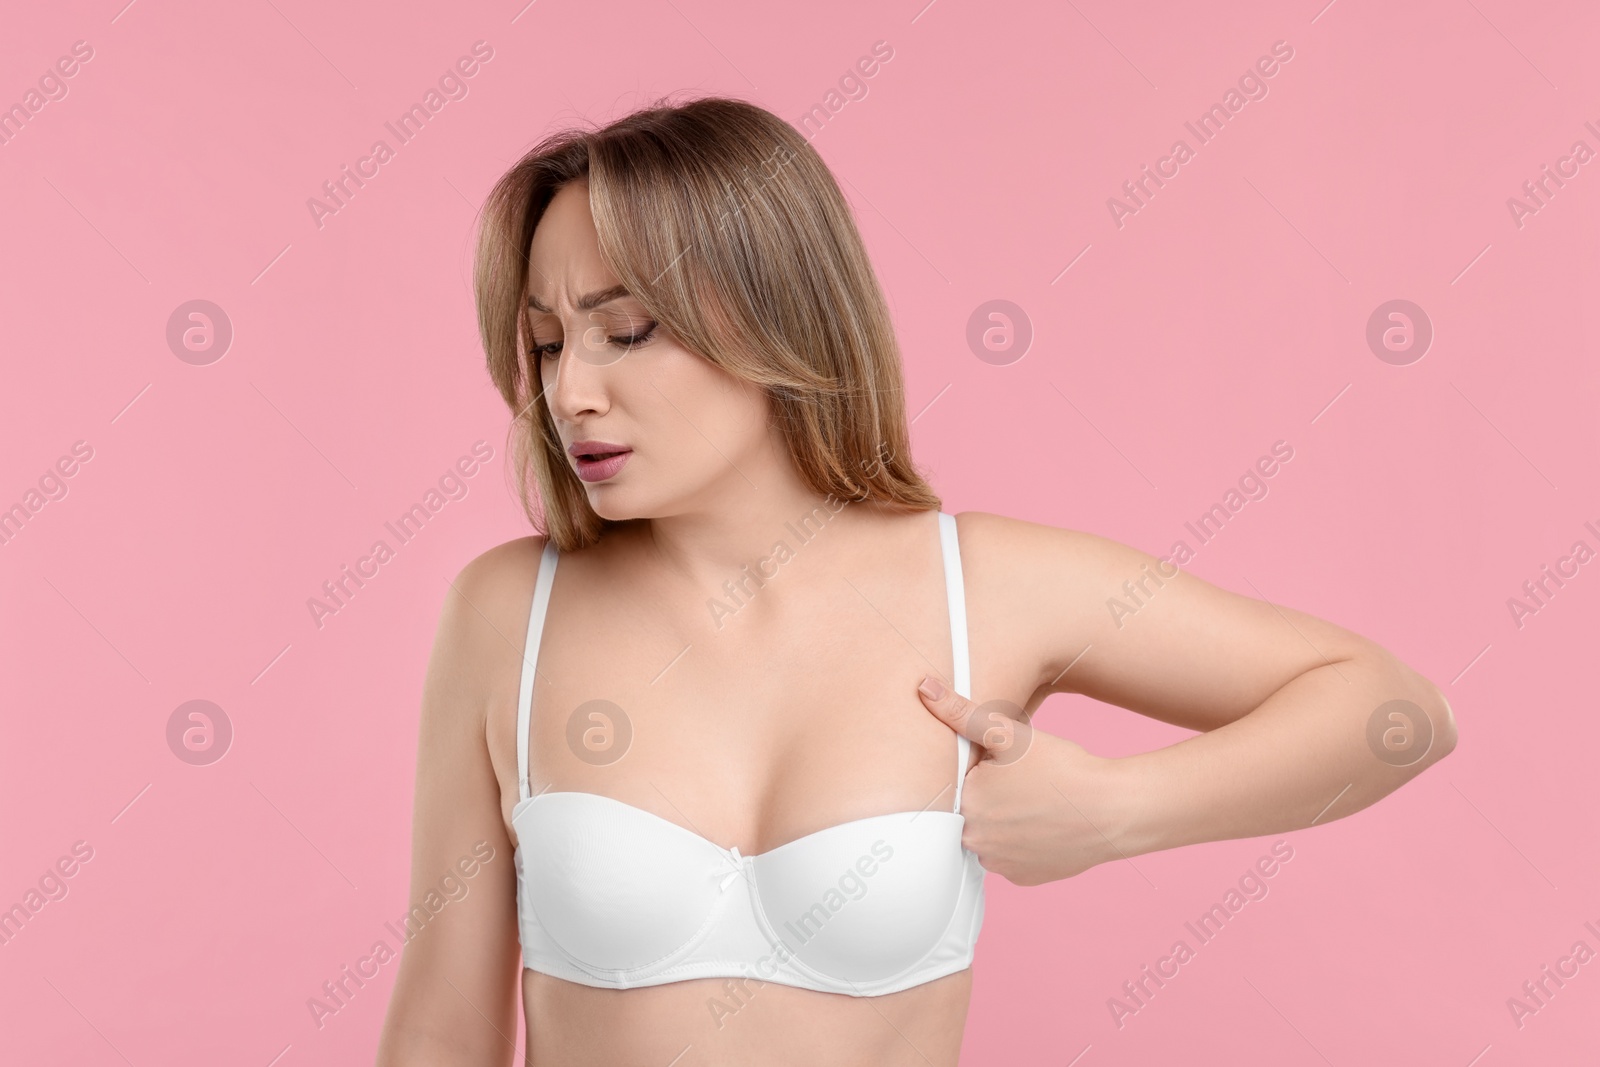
(931, 688)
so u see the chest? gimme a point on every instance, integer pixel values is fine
(751, 728)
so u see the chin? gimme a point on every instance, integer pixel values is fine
(617, 506)
(609, 509)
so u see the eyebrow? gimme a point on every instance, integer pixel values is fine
(587, 302)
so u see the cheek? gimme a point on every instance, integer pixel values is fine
(709, 407)
(734, 417)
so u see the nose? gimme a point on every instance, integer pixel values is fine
(579, 387)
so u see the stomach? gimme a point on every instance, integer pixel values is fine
(710, 1022)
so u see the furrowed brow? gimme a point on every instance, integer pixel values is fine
(587, 302)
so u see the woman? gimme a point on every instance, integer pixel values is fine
(709, 754)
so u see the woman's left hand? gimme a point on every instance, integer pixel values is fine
(1038, 807)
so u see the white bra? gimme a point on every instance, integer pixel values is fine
(614, 896)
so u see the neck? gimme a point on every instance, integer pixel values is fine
(756, 518)
(708, 547)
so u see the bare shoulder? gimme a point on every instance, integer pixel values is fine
(484, 618)
(1037, 593)
(500, 573)
(1006, 550)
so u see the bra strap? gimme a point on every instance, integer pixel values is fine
(530, 660)
(955, 593)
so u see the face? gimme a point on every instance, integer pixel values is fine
(651, 428)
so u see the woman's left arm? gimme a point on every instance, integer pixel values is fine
(1301, 721)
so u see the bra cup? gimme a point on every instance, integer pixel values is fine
(614, 886)
(867, 900)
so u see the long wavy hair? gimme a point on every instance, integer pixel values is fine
(726, 225)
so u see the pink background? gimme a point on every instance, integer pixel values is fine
(1228, 313)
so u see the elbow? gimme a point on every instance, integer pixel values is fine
(1435, 733)
(1415, 728)
(1444, 724)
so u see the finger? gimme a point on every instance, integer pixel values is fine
(1000, 727)
(950, 707)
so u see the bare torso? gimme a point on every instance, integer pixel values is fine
(797, 714)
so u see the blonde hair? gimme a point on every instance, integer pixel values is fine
(726, 225)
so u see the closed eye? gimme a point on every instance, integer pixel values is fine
(625, 342)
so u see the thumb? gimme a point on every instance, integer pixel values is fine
(1000, 727)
